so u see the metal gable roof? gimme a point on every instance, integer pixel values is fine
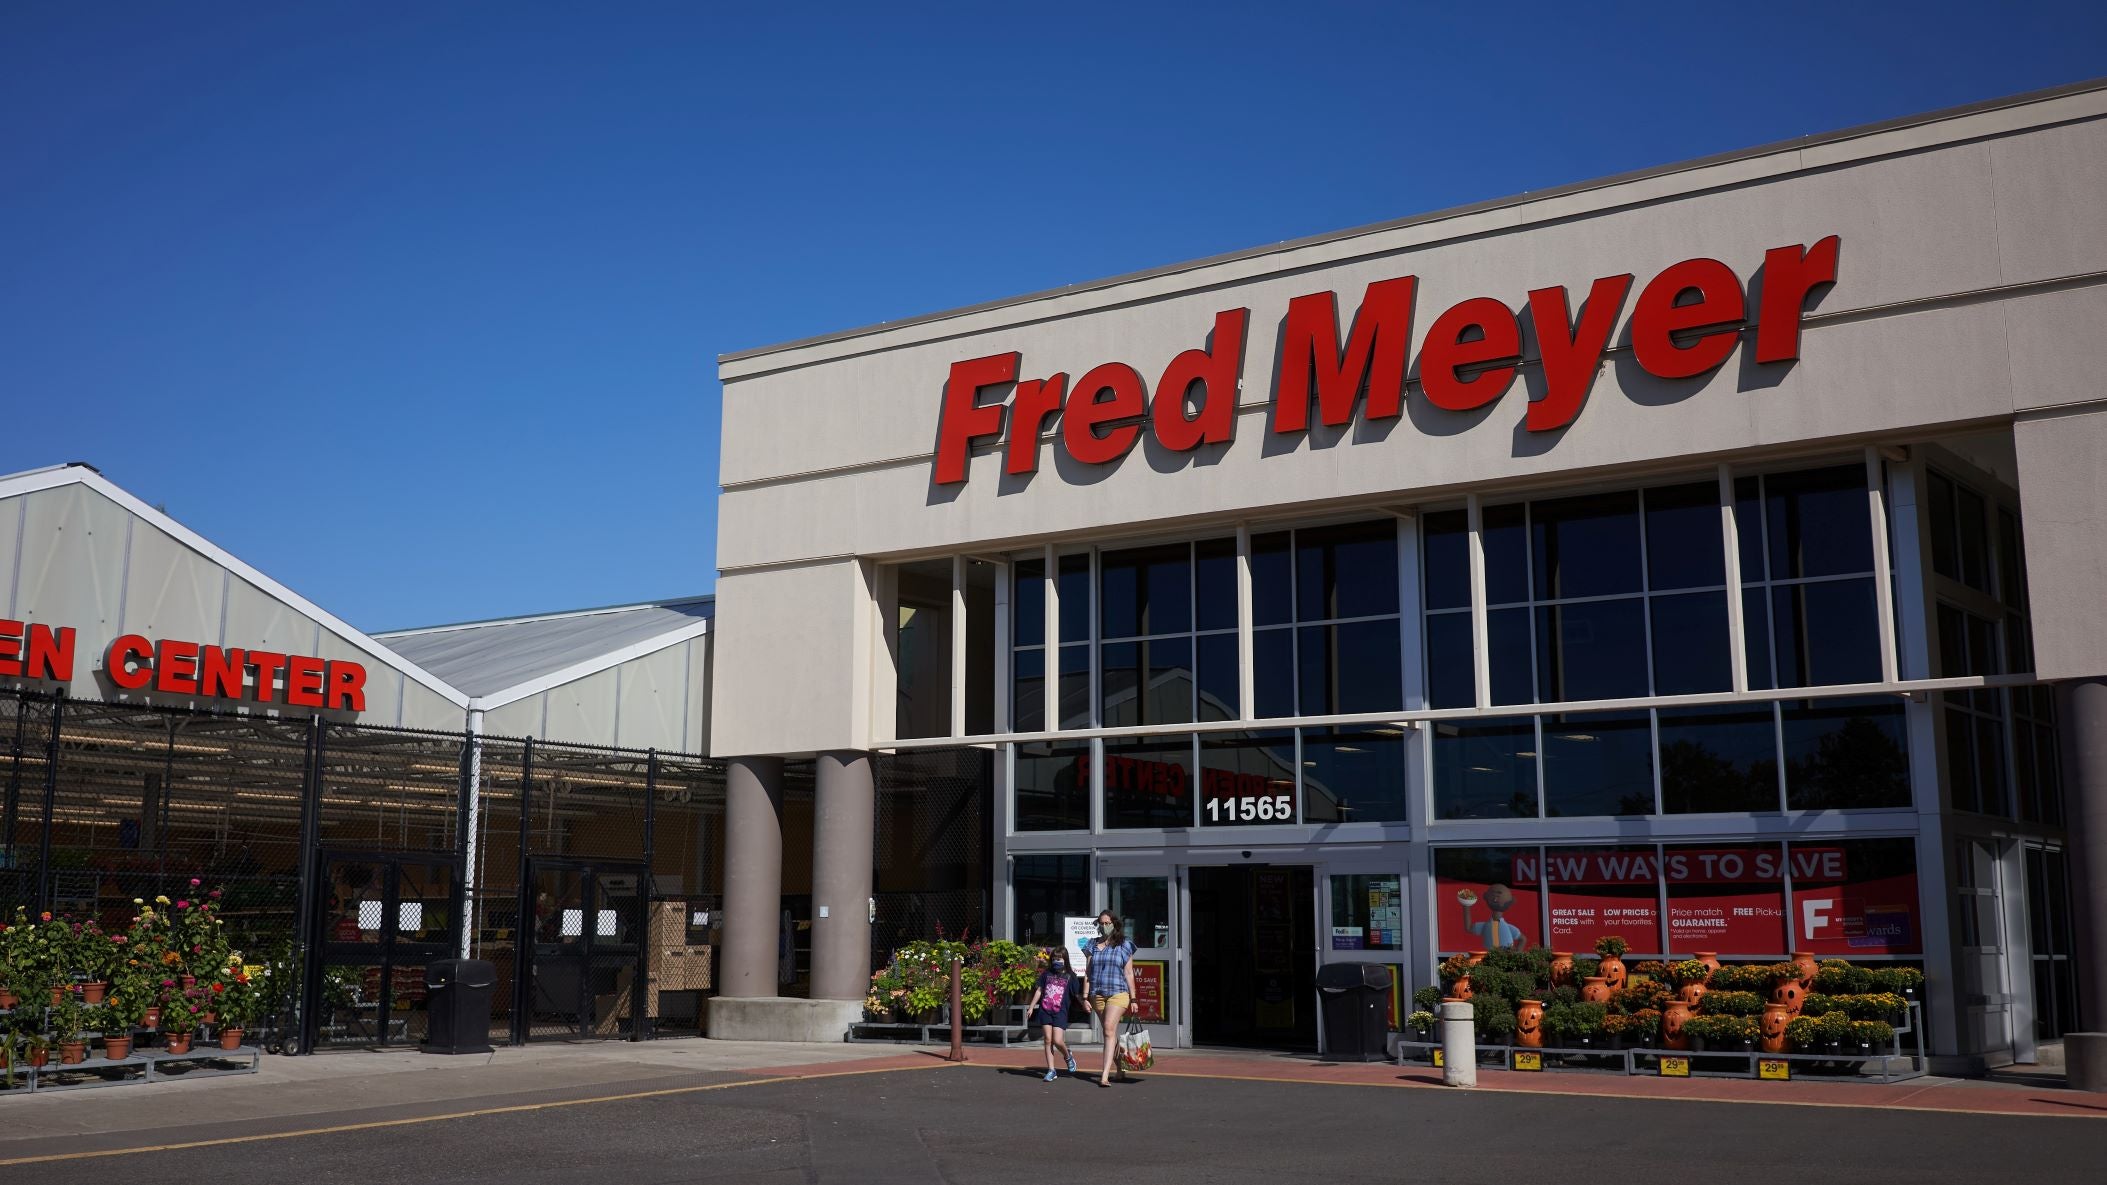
(498, 661)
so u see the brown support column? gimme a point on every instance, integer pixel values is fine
(2081, 718)
(844, 820)
(753, 875)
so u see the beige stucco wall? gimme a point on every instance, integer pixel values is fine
(1969, 289)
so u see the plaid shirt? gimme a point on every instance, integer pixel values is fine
(1108, 967)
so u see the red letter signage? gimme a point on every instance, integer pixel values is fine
(1684, 324)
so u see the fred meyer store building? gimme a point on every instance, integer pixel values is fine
(1708, 556)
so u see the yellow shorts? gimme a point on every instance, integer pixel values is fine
(1118, 1000)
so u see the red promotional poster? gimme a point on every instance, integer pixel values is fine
(1148, 991)
(1729, 900)
(1857, 897)
(1599, 892)
(1482, 901)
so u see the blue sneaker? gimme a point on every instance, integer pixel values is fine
(1050, 1074)
(1071, 1066)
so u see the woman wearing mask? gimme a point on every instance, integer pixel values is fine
(1048, 1007)
(1111, 985)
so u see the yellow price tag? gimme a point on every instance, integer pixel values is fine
(1675, 1067)
(1774, 1069)
(1528, 1061)
(252, 970)
(1437, 1057)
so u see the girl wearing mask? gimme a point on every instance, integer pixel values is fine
(1048, 1007)
(1111, 985)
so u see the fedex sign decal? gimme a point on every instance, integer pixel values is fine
(1684, 323)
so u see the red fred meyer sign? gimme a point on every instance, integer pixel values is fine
(174, 667)
(1684, 323)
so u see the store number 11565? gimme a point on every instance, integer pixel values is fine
(1270, 808)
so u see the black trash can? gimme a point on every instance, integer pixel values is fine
(1356, 998)
(458, 1001)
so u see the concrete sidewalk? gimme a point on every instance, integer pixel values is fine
(344, 1086)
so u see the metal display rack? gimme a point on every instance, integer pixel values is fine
(1891, 1065)
(1009, 1028)
(151, 1065)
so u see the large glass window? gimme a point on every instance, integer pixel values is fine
(1485, 769)
(1353, 775)
(1623, 595)
(1150, 654)
(1053, 787)
(1487, 898)
(1247, 777)
(1325, 612)
(1048, 889)
(1148, 782)
(1032, 708)
(1813, 576)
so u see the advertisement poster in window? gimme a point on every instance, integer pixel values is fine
(1487, 898)
(1386, 913)
(1598, 892)
(1148, 990)
(1729, 900)
(1857, 897)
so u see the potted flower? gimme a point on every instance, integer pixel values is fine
(1831, 1031)
(1420, 1023)
(66, 1021)
(237, 1003)
(1871, 1036)
(1800, 1032)
(1642, 1029)
(179, 1019)
(1612, 948)
(116, 1035)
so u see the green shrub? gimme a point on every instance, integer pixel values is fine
(1426, 999)
(1564, 994)
(1839, 978)
(1494, 1016)
(1801, 1032)
(1567, 1023)
(1833, 1027)
(1584, 969)
(1718, 1003)
(1610, 946)
(1876, 1033)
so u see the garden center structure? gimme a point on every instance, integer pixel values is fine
(1707, 556)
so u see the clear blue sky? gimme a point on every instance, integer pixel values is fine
(416, 306)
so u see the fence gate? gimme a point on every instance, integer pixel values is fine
(380, 918)
(586, 968)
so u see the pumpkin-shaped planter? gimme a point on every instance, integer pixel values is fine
(1561, 968)
(1789, 994)
(1596, 990)
(1775, 1018)
(1673, 1018)
(1529, 1024)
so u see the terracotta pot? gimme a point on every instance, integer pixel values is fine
(58, 994)
(152, 1019)
(1692, 994)
(1596, 990)
(210, 1018)
(92, 991)
(39, 1057)
(1529, 1024)
(1561, 968)
(1612, 972)
(117, 1048)
(1672, 1018)
(1477, 957)
(1775, 1017)
(8, 999)
(1805, 962)
(1788, 992)
(1461, 990)
(72, 1053)
(179, 1043)
(230, 1038)
(1710, 959)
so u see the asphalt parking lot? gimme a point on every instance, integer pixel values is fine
(989, 1124)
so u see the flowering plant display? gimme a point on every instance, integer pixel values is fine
(181, 1009)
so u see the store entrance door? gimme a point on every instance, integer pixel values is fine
(380, 917)
(1254, 956)
(586, 974)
